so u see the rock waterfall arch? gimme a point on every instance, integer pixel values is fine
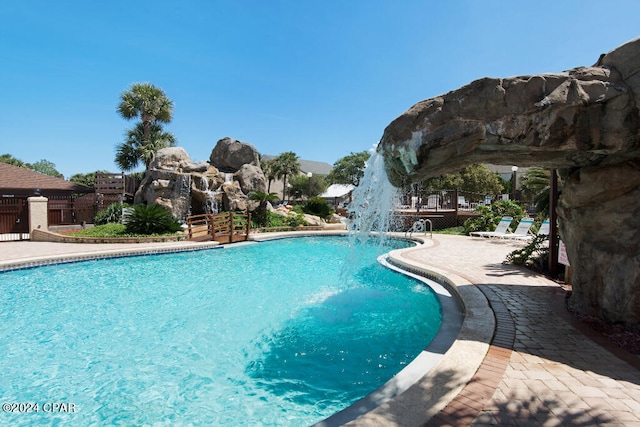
(585, 122)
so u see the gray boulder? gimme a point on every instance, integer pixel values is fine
(584, 122)
(251, 178)
(176, 159)
(229, 155)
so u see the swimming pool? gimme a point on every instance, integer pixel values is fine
(275, 333)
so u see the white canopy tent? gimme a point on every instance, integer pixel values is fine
(337, 193)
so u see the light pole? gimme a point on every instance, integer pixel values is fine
(514, 170)
(309, 175)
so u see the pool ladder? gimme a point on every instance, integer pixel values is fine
(419, 226)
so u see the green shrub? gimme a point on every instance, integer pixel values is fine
(104, 230)
(490, 216)
(296, 220)
(150, 219)
(317, 206)
(112, 214)
(535, 254)
(297, 209)
(276, 220)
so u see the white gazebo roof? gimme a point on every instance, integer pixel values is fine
(337, 190)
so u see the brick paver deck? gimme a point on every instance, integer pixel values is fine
(540, 369)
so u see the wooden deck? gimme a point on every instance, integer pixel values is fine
(440, 218)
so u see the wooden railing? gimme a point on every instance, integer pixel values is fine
(227, 227)
(115, 183)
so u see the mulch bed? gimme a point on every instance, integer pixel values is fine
(616, 334)
(622, 337)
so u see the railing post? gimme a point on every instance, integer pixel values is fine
(553, 218)
(456, 199)
(230, 226)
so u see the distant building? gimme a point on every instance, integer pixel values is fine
(22, 182)
(17, 184)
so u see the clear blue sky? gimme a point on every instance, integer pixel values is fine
(320, 78)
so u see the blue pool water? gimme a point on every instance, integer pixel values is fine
(275, 333)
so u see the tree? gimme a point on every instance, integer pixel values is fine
(349, 169)
(300, 185)
(41, 166)
(534, 181)
(153, 107)
(9, 159)
(478, 178)
(86, 179)
(286, 164)
(269, 170)
(46, 167)
(474, 178)
(133, 150)
(535, 187)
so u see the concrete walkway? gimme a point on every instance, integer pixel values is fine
(539, 369)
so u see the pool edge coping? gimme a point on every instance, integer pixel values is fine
(30, 262)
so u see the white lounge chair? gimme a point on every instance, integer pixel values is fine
(545, 228)
(522, 231)
(433, 202)
(500, 230)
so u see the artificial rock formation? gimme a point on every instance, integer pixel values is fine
(229, 155)
(187, 188)
(584, 122)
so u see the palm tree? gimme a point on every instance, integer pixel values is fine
(134, 150)
(153, 107)
(148, 102)
(535, 187)
(269, 170)
(286, 164)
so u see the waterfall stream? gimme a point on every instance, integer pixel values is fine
(372, 211)
(211, 202)
(182, 196)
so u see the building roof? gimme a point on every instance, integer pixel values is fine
(316, 168)
(14, 179)
(337, 190)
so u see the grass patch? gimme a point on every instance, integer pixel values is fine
(111, 230)
(457, 231)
